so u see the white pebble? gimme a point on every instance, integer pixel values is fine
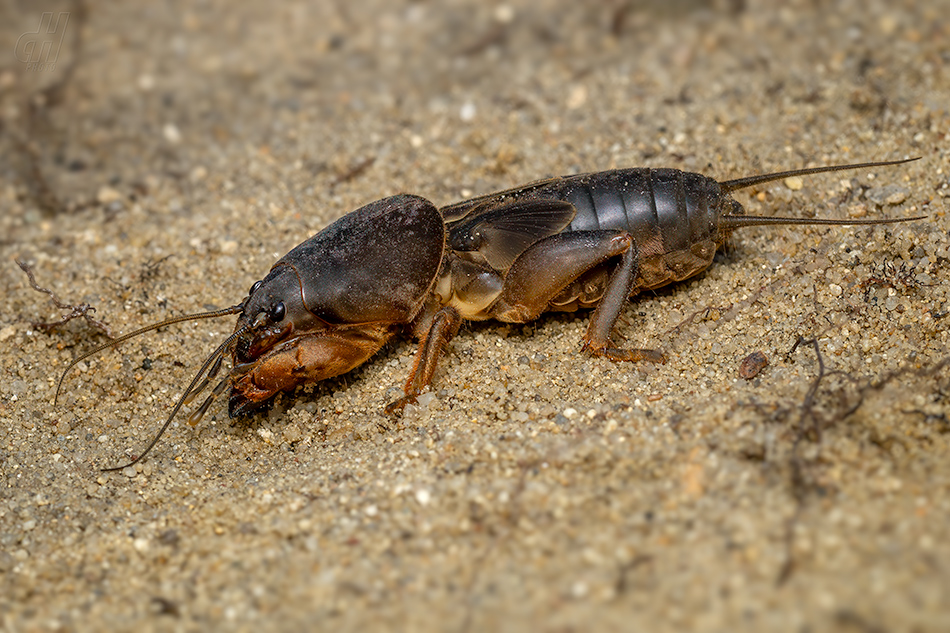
(423, 496)
(504, 13)
(794, 183)
(897, 197)
(107, 195)
(579, 589)
(171, 133)
(577, 97)
(198, 174)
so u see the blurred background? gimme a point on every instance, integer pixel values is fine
(449, 96)
(157, 158)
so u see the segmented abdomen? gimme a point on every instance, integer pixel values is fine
(679, 207)
(671, 214)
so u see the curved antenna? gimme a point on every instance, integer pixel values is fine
(741, 183)
(212, 358)
(148, 328)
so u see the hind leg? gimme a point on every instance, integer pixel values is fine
(543, 271)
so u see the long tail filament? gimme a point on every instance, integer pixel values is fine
(748, 181)
(731, 222)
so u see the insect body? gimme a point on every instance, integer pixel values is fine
(589, 240)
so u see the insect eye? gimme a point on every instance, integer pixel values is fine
(277, 312)
(257, 284)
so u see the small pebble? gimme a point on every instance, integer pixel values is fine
(887, 195)
(423, 496)
(577, 97)
(425, 400)
(198, 174)
(108, 195)
(171, 133)
(504, 13)
(897, 197)
(292, 433)
(752, 364)
(795, 183)
(858, 210)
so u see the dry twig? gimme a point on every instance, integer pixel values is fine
(75, 311)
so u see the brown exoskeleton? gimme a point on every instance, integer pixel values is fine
(590, 240)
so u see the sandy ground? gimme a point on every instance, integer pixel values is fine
(184, 147)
